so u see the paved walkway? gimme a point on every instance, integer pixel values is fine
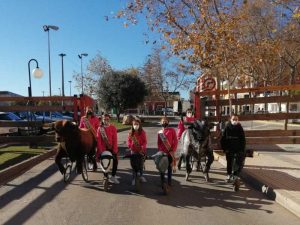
(274, 170)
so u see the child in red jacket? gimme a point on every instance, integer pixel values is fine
(137, 143)
(89, 121)
(167, 143)
(107, 141)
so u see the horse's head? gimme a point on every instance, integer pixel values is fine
(63, 129)
(200, 130)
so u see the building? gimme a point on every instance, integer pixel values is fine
(154, 104)
(7, 94)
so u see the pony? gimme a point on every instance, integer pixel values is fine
(196, 147)
(74, 142)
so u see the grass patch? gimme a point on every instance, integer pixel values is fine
(12, 155)
(118, 125)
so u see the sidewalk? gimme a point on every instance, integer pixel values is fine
(275, 171)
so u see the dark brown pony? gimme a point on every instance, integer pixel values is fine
(74, 143)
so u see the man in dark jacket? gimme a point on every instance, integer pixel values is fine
(233, 142)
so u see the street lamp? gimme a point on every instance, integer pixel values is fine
(59, 91)
(37, 73)
(47, 29)
(62, 73)
(80, 57)
(70, 86)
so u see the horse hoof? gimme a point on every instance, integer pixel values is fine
(236, 184)
(206, 177)
(166, 189)
(187, 176)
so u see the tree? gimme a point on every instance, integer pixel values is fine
(97, 67)
(218, 33)
(162, 82)
(121, 90)
(224, 37)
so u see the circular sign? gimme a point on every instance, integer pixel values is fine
(208, 84)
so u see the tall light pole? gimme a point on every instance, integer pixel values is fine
(80, 57)
(70, 86)
(37, 73)
(47, 29)
(62, 74)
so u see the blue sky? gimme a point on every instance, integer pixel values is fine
(82, 29)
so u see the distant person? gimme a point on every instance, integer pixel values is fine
(182, 126)
(137, 143)
(167, 143)
(107, 141)
(233, 142)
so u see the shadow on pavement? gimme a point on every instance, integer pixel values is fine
(20, 158)
(186, 194)
(34, 205)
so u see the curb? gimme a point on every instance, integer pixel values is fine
(12, 172)
(282, 197)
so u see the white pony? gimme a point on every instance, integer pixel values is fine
(196, 148)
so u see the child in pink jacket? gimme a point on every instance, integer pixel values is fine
(89, 121)
(168, 146)
(137, 143)
(107, 140)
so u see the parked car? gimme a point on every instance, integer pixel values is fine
(59, 114)
(54, 116)
(9, 116)
(33, 117)
(167, 111)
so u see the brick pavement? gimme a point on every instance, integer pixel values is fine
(276, 173)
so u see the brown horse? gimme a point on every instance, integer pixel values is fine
(74, 143)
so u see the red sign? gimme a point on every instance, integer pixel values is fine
(208, 84)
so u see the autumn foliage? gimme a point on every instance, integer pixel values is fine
(242, 41)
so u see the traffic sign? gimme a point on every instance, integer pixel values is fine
(208, 84)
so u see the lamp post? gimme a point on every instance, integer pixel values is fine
(59, 91)
(37, 73)
(80, 57)
(47, 29)
(70, 86)
(62, 74)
